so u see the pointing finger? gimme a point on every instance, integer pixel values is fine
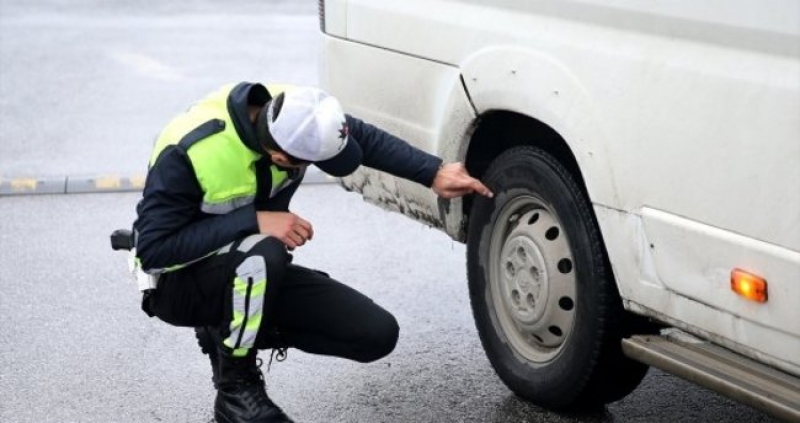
(481, 189)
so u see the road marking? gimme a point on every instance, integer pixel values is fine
(107, 182)
(24, 184)
(137, 181)
(103, 183)
(148, 66)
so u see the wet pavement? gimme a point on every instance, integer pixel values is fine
(84, 87)
(76, 348)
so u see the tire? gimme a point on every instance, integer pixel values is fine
(545, 304)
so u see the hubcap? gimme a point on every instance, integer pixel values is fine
(533, 284)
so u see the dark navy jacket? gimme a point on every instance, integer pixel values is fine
(171, 229)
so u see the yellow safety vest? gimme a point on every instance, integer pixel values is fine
(223, 164)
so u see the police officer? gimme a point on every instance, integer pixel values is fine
(214, 226)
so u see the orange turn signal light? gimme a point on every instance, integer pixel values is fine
(748, 285)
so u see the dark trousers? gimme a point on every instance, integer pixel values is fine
(300, 307)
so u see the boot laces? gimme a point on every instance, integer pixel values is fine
(279, 354)
(255, 393)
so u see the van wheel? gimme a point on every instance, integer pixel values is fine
(545, 304)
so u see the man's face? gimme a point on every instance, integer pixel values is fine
(283, 160)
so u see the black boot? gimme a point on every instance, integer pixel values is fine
(241, 395)
(208, 345)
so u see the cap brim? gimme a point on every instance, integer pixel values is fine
(344, 163)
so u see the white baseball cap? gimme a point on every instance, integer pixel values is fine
(310, 125)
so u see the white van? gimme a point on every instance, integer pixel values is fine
(645, 158)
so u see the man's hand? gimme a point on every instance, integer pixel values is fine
(452, 180)
(287, 227)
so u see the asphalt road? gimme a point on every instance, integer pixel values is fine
(84, 87)
(76, 348)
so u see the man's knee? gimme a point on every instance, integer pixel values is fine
(379, 338)
(271, 249)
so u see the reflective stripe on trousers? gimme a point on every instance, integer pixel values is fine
(249, 287)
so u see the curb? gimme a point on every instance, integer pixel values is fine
(103, 183)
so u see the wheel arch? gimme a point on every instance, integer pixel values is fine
(525, 96)
(497, 131)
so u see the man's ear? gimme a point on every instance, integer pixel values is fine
(279, 159)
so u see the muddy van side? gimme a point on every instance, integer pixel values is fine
(646, 162)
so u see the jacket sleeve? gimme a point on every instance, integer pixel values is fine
(171, 228)
(384, 151)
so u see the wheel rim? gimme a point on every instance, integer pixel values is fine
(532, 278)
